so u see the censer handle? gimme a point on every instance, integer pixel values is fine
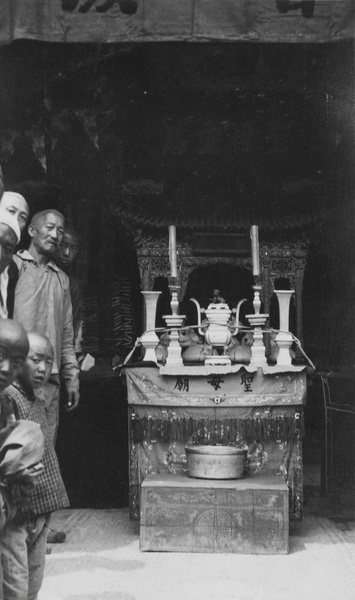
(236, 311)
(199, 310)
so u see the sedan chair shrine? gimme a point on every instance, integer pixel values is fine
(204, 150)
(227, 385)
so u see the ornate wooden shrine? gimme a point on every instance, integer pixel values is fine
(128, 157)
(251, 404)
(132, 138)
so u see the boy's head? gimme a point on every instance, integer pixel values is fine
(39, 362)
(68, 248)
(13, 351)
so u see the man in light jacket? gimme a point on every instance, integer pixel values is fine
(43, 304)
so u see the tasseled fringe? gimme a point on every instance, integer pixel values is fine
(218, 431)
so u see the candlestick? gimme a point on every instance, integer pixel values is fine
(257, 320)
(175, 321)
(254, 235)
(172, 250)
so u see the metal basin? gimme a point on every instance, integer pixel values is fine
(216, 462)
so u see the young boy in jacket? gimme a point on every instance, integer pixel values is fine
(13, 352)
(23, 541)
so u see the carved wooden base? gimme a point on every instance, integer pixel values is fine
(182, 514)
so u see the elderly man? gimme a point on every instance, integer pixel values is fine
(43, 304)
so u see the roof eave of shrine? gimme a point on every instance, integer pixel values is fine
(214, 221)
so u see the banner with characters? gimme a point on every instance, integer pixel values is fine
(105, 21)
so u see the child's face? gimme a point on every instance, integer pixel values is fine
(13, 351)
(38, 365)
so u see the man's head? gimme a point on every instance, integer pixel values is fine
(14, 347)
(39, 362)
(68, 248)
(9, 238)
(17, 206)
(46, 230)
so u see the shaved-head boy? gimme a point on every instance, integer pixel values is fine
(23, 540)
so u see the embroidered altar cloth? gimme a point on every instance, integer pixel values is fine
(254, 408)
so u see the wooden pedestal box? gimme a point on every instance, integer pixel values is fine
(245, 516)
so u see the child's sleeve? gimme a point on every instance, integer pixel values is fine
(8, 417)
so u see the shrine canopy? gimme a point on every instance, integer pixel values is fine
(108, 21)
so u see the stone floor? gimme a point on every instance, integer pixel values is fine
(101, 560)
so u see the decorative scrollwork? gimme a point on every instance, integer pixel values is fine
(282, 266)
(278, 259)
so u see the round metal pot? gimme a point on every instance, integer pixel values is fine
(216, 462)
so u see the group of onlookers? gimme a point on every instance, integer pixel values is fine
(40, 332)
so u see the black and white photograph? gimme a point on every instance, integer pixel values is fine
(177, 287)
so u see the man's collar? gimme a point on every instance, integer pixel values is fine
(25, 255)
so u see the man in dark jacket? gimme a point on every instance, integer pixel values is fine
(67, 253)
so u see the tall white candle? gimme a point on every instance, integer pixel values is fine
(172, 250)
(254, 234)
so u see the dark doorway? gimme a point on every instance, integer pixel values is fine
(234, 284)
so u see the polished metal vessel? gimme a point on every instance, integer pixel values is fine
(216, 462)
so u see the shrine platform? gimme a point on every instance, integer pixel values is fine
(243, 516)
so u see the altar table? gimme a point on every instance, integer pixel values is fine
(258, 408)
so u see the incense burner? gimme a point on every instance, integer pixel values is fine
(218, 328)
